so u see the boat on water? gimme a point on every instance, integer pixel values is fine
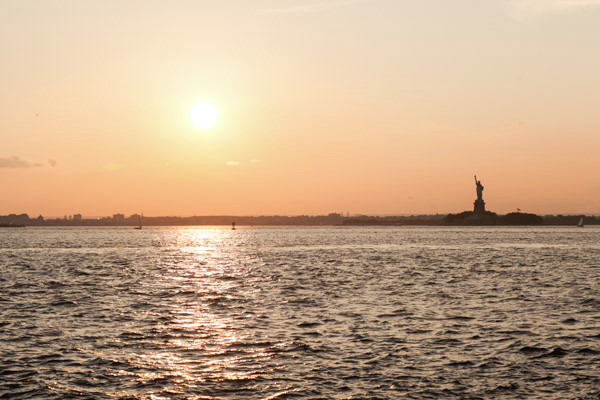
(580, 223)
(233, 226)
(139, 226)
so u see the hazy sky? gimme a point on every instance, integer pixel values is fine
(372, 106)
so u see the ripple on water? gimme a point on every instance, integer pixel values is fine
(269, 313)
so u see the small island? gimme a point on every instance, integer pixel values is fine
(480, 216)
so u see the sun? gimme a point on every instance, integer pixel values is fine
(204, 116)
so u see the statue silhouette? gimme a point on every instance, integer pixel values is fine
(479, 189)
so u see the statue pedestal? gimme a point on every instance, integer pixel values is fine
(479, 207)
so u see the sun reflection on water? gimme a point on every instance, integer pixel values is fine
(206, 280)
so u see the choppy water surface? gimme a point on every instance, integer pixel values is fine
(333, 313)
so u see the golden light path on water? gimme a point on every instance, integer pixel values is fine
(209, 274)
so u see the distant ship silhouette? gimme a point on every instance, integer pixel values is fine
(139, 222)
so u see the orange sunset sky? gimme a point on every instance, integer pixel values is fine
(373, 106)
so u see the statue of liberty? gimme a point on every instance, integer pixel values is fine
(479, 189)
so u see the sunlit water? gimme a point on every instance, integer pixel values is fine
(332, 313)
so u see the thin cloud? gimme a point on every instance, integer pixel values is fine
(52, 162)
(254, 161)
(523, 9)
(113, 166)
(312, 8)
(574, 3)
(232, 163)
(17, 162)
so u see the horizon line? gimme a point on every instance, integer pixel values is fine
(351, 215)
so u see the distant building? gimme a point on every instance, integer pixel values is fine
(334, 218)
(77, 218)
(15, 219)
(118, 216)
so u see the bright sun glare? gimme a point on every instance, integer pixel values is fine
(204, 116)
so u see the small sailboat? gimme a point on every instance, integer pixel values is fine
(139, 223)
(580, 223)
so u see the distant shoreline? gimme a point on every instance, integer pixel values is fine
(274, 220)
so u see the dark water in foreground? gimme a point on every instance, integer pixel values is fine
(307, 313)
